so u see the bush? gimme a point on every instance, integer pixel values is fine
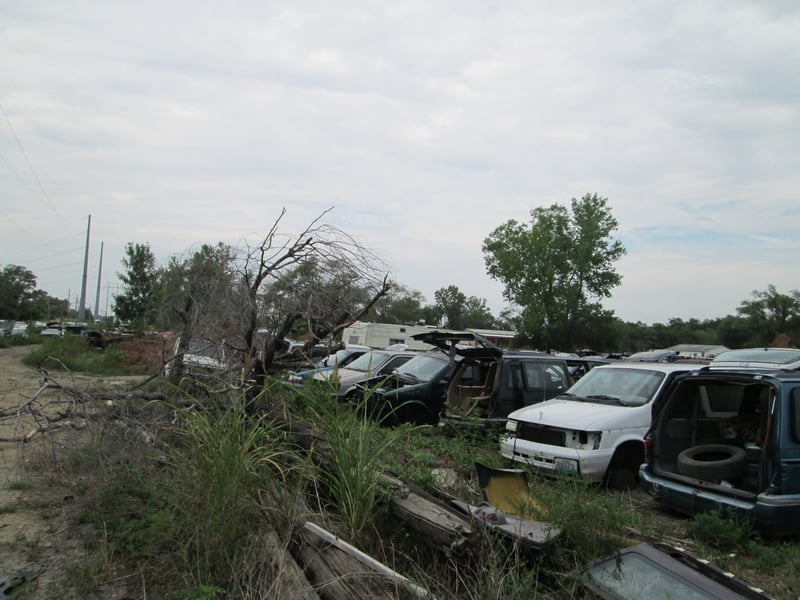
(76, 354)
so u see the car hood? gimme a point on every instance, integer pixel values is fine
(583, 416)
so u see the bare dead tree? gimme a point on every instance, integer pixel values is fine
(271, 277)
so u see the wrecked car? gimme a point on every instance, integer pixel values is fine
(490, 382)
(729, 442)
(341, 358)
(371, 364)
(412, 393)
(594, 429)
(659, 571)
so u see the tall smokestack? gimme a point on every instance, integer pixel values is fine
(82, 305)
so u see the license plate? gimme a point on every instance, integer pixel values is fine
(566, 466)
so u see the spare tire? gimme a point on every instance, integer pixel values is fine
(713, 462)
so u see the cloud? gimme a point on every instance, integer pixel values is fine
(426, 125)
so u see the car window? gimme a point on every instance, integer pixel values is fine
(633, 387)
(422, 367)
(394, 363)
(368, 361)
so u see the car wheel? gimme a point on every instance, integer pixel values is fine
(623, 471)
(713, 462)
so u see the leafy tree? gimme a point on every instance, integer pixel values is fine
(199, 293)
(17, 285)
(771, 313)
(557, 268)
(21, 301)
(476, 314)
(449, 303)
(138, 301)
(400, 306)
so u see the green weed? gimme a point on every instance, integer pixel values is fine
(721, 533)
(224, 458)
(74, 353)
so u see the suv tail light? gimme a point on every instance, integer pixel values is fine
(648, 448)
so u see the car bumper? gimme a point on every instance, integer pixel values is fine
(769, 513)
(589, 464)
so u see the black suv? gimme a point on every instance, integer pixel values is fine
(489, 382)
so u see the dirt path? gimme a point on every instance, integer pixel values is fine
(26, 545)
(36, 535)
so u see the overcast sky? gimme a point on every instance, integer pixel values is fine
(425, 124)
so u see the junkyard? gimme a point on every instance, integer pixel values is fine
(441, 514)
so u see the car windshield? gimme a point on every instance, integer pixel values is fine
(369, 361)
(203, 348)
(626, 387)
(422, 368)
(632, 575)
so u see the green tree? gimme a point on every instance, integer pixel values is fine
(21, 301)
(400, 305)
(449, 303)
(557, 268)
(137, 303)
(476, 314)
(17, 285)
(772, 313)
(198, 292)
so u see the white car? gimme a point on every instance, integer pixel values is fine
(758, 359)
(596, 428)
(371, 364)
(20, 329)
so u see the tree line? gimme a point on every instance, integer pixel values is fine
(557, 268)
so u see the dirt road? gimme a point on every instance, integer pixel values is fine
(36, 536)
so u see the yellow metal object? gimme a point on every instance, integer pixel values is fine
(507, 490)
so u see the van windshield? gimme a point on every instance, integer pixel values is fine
(626, 387)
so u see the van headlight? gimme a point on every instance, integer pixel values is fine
(511, 426)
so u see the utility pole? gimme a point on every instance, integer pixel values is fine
(99, 277)
(82, 305)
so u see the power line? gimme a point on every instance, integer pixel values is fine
(49, 202)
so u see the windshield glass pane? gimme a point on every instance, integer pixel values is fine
(422, 367)
(634, 576)
(632, 387)
(370, 360)
(203, 348)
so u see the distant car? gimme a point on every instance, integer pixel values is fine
(341, 358)
(489, 382)
(51, 332)
(20, 329)
(654, 356)
(412, 393)
(596, 428)
(758, 359)
(202, 354)
(371, 364)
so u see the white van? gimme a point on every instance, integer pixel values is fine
(596, 428)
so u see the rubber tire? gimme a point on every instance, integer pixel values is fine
(713, 462)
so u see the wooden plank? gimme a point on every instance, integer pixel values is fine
(339, 575)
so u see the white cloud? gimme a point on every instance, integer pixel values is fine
(425, 124)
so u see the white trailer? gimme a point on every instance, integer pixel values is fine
(381, 335)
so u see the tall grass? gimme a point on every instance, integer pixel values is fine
(74, 353)
(225, 458)
(358, 451)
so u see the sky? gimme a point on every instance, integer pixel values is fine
(423, 125)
